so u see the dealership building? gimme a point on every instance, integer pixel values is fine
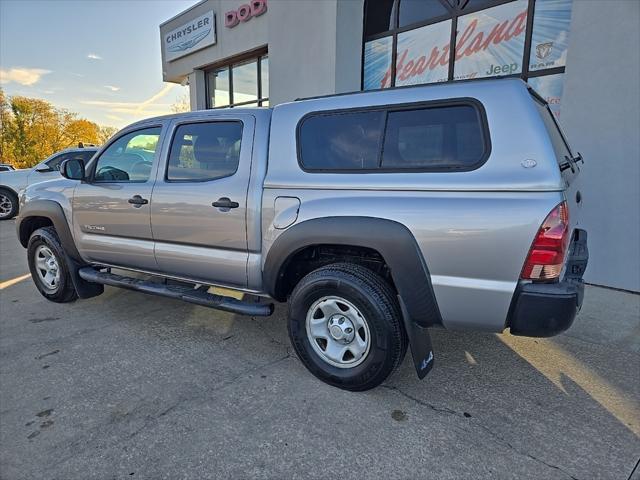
(581, 55)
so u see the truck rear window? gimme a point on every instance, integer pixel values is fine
(423, 138)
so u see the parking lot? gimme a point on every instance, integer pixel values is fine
(131, 386)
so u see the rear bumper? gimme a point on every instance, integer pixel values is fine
(546, 309)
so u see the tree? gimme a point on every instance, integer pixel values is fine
(81, 130)
(181, 104)
(105, 133)
(32, 129)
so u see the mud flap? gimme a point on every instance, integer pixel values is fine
(83, 288)
(420, 342)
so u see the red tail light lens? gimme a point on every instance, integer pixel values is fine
(548, 250)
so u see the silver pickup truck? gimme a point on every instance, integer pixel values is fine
(375, 215)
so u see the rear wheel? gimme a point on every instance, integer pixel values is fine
(48, 266)
(346, 327)
(8, 204)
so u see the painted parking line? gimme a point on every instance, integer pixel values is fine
(13, 281)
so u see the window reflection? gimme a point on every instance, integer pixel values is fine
(218, 88)
(243, 83)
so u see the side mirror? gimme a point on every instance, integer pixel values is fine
(44, 168)
(73, 169)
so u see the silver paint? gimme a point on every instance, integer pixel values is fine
(473, 228)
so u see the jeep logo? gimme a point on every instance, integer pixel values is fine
(507, 69)
(245, 12)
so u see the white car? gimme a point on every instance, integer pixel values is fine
(11, 182)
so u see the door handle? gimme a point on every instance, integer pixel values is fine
(225, 204)
(137, 201)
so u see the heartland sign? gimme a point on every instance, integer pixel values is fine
(489, 43)
(190, 37)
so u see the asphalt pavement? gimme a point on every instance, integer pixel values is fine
(131, 386)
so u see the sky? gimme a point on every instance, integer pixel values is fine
(99, 58)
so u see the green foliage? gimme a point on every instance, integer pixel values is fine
(32, 129)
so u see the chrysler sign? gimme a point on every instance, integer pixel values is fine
(190, 37)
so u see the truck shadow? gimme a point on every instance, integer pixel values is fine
(517, 388)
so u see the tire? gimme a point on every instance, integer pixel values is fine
(8, 204)
(44, 245)
(368, 306)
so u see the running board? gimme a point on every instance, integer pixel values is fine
(180, 292)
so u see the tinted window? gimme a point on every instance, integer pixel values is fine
(439, 137)
(129, 158)
(86, 155)
(378, 16)
(412, 11)
(55, 162)
(344, 141)
(204, 151)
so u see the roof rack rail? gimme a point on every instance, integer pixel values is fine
(448, 82)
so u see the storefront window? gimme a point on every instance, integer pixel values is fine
(549, 43)
(377, 63)
(490, 42)
(550, 88)
(423, 55)
(245, 82)
(379, 16)
(409, 42)
(218, 84)
(264, 79)
(241, 84)
(413, 11)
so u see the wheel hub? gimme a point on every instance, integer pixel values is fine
(5, 205)
(338, 332)
(341, 329)
(47, 267)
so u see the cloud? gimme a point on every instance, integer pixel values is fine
(23, 76)
(112, 88)
(94, 56)
(146, 107)
(115, 118)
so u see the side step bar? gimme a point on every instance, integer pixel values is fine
(180, 292)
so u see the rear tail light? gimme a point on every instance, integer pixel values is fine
(547, 253)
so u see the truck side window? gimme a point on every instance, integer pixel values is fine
(341, 141)
(438, 137)
(393, 139)
(129, 158)
(204, 151)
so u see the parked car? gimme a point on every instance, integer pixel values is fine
(12, 181)
(375, 215)
(5, 167)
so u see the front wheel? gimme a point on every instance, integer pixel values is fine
(8, 204)
(48, 266)
(346, 327)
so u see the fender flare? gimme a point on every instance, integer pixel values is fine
(10, 189)
(401, 252)
(54, 212)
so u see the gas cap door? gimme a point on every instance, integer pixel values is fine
(286, 211)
